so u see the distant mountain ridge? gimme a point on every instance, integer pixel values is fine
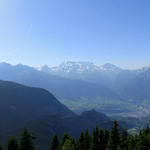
(80, 67)
(83, 85)
(61, 87)
(109, 75)
(131, 85)
(86, 71)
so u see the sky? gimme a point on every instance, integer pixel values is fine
(39, 32)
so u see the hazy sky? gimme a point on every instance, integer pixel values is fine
(38, 32)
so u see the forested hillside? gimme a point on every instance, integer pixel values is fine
(99, 139)
(43, 114)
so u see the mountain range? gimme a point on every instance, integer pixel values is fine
(86, 71)
(83, 86)
(119, 80)
(70, 90)
(132, 86)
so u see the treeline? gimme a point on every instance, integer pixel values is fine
(99, 140)
(25, 142)
(104, 140)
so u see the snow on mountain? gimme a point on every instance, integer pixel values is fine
(80, 67)
(110, 68)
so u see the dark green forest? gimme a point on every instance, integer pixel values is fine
(99, 139)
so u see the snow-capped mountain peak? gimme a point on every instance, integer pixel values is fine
(80, 67)
(109, 68)
(75, 67)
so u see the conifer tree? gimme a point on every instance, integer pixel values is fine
(144, 140)
(147, 130)
(73, 141)
(64, 138)
(101, 141)
(124, 140)
(54, 144)
(12, 144)
(114, 140)
(68, 145)
(26, 142)
(132, 142)
(95, 139)
(106, 138)
(87, 140)
(81, 142)
(0, 147)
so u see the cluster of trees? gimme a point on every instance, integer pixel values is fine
(25, 142)
(104, 140)
(99, 140)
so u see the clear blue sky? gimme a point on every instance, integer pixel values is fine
(38, 32)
